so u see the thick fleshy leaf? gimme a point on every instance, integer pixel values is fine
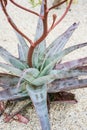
(39, 49)
(68, 50)
(66, 85)
(10, 94)
(58, 45)
(9, 89)
(27, 74)
(11, 59)
(78, 70)
(71, 64)
(61, 41)
(12, 70)
(21, 54)
(39, 99)
(59, 74)
(10, 81)
(32, 72)
(57, 58)
(7, 80)
(22, 47)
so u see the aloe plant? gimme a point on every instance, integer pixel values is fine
(38, 72)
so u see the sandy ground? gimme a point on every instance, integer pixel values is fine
(62, 116)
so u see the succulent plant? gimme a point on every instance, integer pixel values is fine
(38, 72)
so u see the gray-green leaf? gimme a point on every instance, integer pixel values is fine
(57, 58)
(22, 47)
(39, 49)
(58, 44)
(11, 59)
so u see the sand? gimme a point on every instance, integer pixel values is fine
(62, 116)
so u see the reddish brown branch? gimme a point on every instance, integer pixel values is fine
(54, 19)
(45, 29)
(66, 11)
(31, 49)
(5, 2)
(13, 25)
(30, 53)
(28, 10)
(45, 33)
(45, 18)
(57, 5)
(62, 17)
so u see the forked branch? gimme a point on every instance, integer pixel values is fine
(28, 10)
(44, 20)
(57, 5)
(46, 30)
(62, 17)
(12, 23)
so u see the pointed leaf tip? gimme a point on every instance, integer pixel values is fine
(38, 54)
(58, 44)
(22, 47)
